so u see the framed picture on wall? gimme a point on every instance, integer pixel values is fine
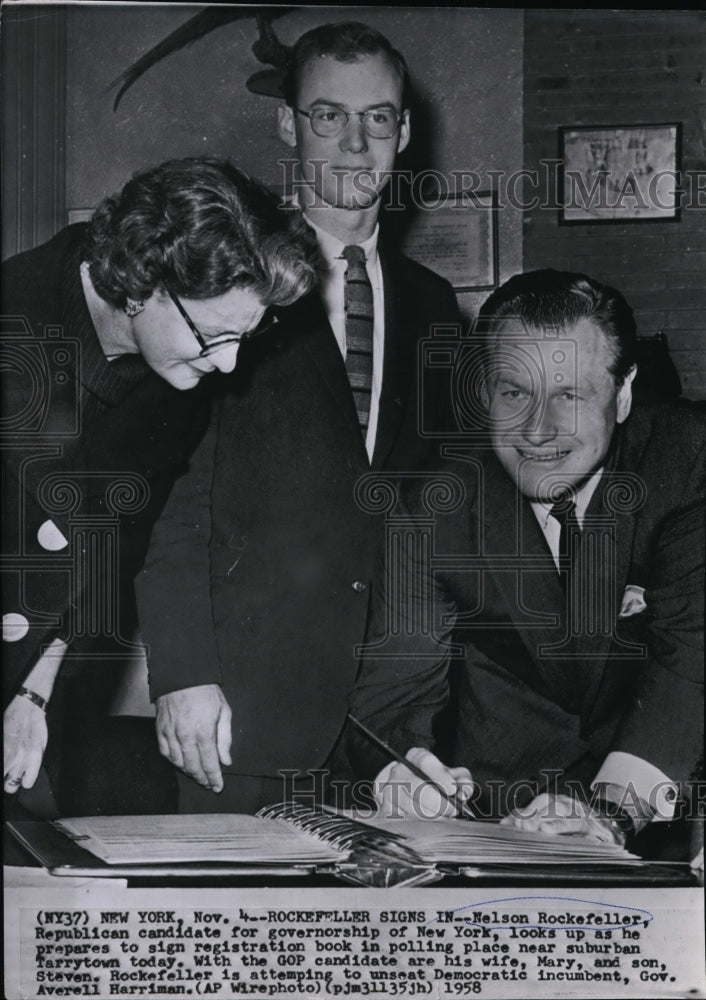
(619, 173)
(457, 236)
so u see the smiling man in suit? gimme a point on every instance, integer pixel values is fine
(256, 590)
(569, 575)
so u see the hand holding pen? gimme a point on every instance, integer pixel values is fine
(438, 791)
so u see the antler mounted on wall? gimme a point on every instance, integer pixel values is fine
(267, 48)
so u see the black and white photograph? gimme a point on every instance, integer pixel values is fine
(354, 466)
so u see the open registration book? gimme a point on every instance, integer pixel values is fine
(289, 837)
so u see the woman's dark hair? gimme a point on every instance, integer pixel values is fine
(199, 227)
(548, 298)
(346, 41)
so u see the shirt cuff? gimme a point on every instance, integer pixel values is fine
(640, 778)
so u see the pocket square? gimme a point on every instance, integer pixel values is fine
(633, 601)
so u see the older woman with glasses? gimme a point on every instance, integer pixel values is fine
(192, 249)
(100, 326)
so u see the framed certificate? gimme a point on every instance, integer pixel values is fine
(456, 236)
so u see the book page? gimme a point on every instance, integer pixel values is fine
(208, 837)
(461, 841)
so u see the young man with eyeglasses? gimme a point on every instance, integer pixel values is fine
(256, 589)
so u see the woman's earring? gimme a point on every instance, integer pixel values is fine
(133, 307)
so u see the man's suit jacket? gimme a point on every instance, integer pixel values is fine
(528, 699)
(274, 609)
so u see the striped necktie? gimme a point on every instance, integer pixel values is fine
(358, 305)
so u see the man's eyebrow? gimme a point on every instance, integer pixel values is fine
(586, 387)
(509, 380)
(337, 104)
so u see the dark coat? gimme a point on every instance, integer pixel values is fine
(92, 447)
(275, 612)
(527, 699)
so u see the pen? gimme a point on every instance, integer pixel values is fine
(461, 807)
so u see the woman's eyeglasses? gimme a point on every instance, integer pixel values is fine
(213, 344)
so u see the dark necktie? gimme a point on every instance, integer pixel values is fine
(358, 305)
(564, 511)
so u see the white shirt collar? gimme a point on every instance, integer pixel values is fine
(332, 248)
(582, 498)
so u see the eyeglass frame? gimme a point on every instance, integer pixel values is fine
(228, 338)
(399, 115)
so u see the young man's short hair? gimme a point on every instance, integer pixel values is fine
(347, 42)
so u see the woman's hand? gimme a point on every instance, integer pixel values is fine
(24, 743)
(25, 722)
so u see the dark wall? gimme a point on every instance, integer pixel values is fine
(493, 87)
(466, 67)
(622, 68)
(32, 116)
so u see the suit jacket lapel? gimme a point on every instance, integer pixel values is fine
(520, 562)
(600, 648)
(310, 322)
(398, 366)
(396, 377)
(569, 669)
(572, 670)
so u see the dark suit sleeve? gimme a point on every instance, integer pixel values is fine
(435, 308)
(174, 587)
(402, 684)
(24, 585)
(664, 720)
(442, 396)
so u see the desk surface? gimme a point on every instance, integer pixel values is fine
(66, 859)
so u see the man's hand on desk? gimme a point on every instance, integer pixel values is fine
(398, 792)
(193, 732)
(562, 814)
(24, 742)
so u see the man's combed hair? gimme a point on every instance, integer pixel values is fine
(558, 299)
(346, 41)
(198, 227)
